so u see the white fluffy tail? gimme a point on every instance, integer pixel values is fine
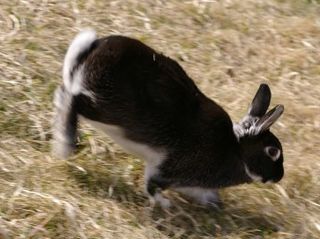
(81, 43)
(66, 118)
(64, 124)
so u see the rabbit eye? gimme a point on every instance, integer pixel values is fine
(272, 152)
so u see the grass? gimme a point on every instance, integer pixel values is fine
(228, 47)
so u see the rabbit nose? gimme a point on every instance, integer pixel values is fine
(279, 176)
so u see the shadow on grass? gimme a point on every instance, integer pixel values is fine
(99, 182)
(191, 221)
(183, 220)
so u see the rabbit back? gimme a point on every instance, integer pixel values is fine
(146, 93)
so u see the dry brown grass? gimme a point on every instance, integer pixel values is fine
(228, 47)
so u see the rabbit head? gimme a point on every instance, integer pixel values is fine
(261, 149)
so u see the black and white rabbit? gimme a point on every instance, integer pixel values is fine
(147, 103)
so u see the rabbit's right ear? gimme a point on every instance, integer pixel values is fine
(265, 122)
(260, 102)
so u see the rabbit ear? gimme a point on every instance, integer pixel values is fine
(260, 102)
(265, 122)
(256, 121)
(258, 107)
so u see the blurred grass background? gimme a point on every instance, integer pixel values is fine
(228, 47)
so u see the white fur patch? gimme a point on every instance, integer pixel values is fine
(80, 44)
(76, 87)
(62, 147)
(151, 155)
(158, 198)
(238, 131)
(201, 195)
(253, 176)
(58, 98)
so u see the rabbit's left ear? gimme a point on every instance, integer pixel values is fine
(260, 102)
(266, 121)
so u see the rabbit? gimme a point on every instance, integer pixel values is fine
(148, 104)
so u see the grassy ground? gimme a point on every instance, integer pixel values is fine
(228, 47)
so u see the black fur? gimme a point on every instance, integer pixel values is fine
(153, 99)
(261, 101)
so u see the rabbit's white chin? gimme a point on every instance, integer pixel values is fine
(253, 176)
